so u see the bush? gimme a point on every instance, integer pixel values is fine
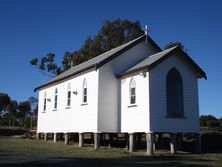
(209, 120)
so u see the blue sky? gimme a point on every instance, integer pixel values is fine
(31, 28)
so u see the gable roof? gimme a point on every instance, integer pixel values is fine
(155, 59)
(98, 61)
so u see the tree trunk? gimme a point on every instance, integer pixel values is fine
(13, 120)
(9, 120)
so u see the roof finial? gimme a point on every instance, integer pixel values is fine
(71, 64)
(146, 30)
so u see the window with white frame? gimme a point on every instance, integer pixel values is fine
(56, 99)
(132, 91)
(44, 103)
(84, 91)
(69, 95)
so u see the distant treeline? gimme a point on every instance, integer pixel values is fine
(13, 113)
(210, 121)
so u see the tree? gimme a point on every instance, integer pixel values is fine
(111, 34)
(172, 44)
(33, 105)
(208, 120)
(46, 65)
(12, 112)
(24, 111)
(220, 122)
(4, 102)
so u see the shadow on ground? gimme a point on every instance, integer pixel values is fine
(137, 161)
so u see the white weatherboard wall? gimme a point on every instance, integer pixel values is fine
(158, 105)
(109, 86)
(77, 118)
(135, 118)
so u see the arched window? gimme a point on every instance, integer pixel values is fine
(84, 87)
(69, 95)
(132, 91)
(174, 93)
(55, 98)
(44, 103)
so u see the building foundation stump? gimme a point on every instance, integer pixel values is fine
(37, 136)
(55, 137)
(149, 143)
(81, 139)
(97, 140)
(45, 136)
(173, 143)
(131, 142)
(66, 138)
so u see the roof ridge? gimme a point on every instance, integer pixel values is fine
(85, 62)
(166, 50)
(109, 50)
(154, 59)
(95, 62)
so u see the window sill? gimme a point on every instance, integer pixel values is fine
(68, 107)
(176, 117)
(83, 104)
(132, 105)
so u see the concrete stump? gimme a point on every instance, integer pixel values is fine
(55, 137)
(81, 139)
(173, 143)
(149, 143)
(66, 138)
(45, 136)
(37, 136)
(96, 141)
(131, 142)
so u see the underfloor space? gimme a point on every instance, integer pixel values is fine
(150, 143)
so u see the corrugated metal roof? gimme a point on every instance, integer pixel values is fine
(151, 59)
(101, 59)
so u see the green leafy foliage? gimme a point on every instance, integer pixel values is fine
(34, 105)
(46, 65)
(220, 122)
(34, 61)
(14, 114)
(111, 34)
(209, 121)
(24, 109)
(172, 44)
(4, 102)
(4, 99)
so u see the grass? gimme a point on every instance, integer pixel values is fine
(26, 152)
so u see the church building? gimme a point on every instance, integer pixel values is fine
(136, 88)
